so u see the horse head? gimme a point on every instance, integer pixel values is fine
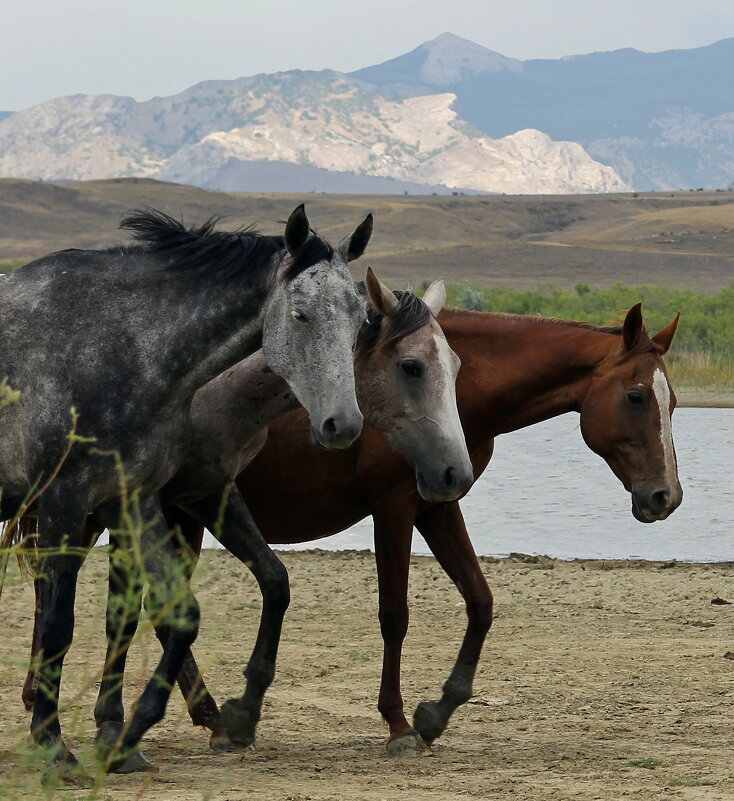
(311, 324)
(406, 377)
(626, 418)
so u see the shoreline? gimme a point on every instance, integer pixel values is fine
(704, 397)
(517, 558)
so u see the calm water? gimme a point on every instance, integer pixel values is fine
(546, 492)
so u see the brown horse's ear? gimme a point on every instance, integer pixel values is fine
(381, 297)
(664, 338)
(633, 327)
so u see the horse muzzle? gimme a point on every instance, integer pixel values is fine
(658, 504)
(446, 484)
(338, 431)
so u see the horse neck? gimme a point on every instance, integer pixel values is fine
(517, 371)
(203, 329)
(242, 400)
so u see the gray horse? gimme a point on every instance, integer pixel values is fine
(112, 345)
(405, 375)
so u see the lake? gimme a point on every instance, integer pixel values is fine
(545, 492)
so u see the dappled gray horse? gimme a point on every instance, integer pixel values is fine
(406, 376)
(124, 337)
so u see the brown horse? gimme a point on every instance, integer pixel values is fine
(516, 371)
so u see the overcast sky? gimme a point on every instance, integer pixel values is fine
(144, 48)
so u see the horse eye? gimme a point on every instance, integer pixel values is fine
(635, 398)
(412, 369)
(299, 315)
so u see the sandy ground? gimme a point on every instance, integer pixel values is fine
(599, 681)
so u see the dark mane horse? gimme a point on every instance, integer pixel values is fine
(124, 337)
(405, 382)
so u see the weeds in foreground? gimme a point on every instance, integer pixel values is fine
(136, 551)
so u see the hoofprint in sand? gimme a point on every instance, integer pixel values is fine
(599, 680)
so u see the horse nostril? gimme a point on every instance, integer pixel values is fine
(659, 501)
(328, 429)
(448, 477)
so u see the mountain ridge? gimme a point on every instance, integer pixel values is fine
(319, 119)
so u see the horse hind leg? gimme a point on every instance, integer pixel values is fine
(61, 522)
(173, 608)
(30, 686)
(124, 598)
(445, 533)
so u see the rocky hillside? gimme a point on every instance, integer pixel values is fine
(317, 128)
(661, 120)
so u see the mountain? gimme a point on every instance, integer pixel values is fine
(662, 120)
(434, 65)
(294, 129)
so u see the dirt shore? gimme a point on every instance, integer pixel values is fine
(599, 681)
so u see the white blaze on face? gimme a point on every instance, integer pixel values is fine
(662, 395)
(446, 395)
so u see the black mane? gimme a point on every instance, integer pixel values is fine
(228, 254)
(412, 313)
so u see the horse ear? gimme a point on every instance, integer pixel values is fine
(633, 327)
(354, 245)
(664, 338)
(297, 230)
(382, 298)
(435, 296)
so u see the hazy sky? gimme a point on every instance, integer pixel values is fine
(144, 48)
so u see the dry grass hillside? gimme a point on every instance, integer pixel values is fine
(680, 238)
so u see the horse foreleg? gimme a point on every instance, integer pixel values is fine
(60, 552)
(393, 536)
(202, 707)
(234, 527)
(445, 533)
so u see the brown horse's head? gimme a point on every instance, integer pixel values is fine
(626, 418)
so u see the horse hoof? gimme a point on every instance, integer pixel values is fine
(406, 744)
(220, 742)
(428, 721)
(67, 772)
(239, 723)
(135, 763)
(108, 741)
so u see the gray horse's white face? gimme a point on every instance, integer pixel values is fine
(310, 328)
(408, 393)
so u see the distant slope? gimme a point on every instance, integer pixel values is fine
(662, 120)
(685, 239)
(237, 175)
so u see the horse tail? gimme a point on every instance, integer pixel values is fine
(20, 535)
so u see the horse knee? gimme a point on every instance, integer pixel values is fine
(480, 615)
(181, 621)
(394, 622)
(276, 589)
